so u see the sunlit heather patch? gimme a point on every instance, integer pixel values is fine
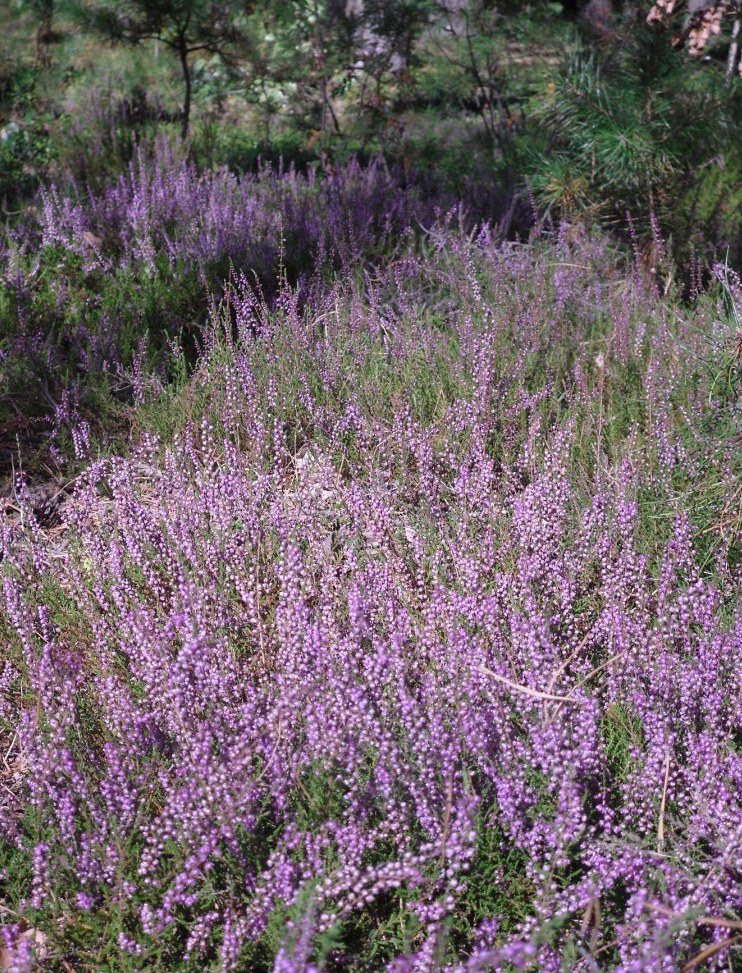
(389, 636)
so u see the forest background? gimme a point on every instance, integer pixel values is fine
(595, 111)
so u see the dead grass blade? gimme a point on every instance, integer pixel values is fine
(663, 804)
(708, 952)
(526, 690)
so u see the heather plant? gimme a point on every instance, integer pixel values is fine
(94, 275)
(165, 208)
(406, 636)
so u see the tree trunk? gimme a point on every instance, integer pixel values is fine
(733, 50)
(599, 16)
(44, 34)
(186, 115)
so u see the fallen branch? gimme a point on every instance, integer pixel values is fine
(526, 690)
